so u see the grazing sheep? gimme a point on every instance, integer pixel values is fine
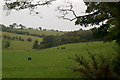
(29, 58)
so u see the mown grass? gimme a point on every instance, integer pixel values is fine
(51, 62)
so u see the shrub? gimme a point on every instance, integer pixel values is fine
(36, 45)
(99, 67)
(6, 44)
(29, 39)
(116, 61)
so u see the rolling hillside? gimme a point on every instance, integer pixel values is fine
(46, 63)
(20, 45)
(51, 62)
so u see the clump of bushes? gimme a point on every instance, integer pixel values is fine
(99, 67)
(12, 38)
(29, 39)
(68, 37)
(116, 61)
(6, 44)
(35, 45)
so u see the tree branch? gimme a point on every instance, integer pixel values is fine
(18, 5)
(66, 11)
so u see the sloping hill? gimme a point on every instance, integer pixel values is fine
(25, 37)
(51, 62)
(16, 44)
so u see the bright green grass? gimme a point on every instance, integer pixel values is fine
(19, 45)
(41, 32)
(49, 63)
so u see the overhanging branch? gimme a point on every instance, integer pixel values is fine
(64, 11)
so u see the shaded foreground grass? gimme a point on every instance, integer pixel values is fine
(49, 63)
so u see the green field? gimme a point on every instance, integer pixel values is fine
(51, 62)
(21, 45)
(46, 63)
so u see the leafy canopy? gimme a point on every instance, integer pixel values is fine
(105, 14)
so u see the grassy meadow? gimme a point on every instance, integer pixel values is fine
(51, 62)
(21, 45)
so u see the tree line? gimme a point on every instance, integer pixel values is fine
(69, 37)
(11, 30)
(16, 38)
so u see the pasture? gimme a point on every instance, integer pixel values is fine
(51, 62)
(20, 45)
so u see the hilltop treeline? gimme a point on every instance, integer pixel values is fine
(69, 37)
(11, 30)
(55, 40)
(16, 38)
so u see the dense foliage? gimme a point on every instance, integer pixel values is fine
(116, 61)
(106, 15)
(50, 41)
(36, 45)
(77, 36)
(69, 37)
(99, 68)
